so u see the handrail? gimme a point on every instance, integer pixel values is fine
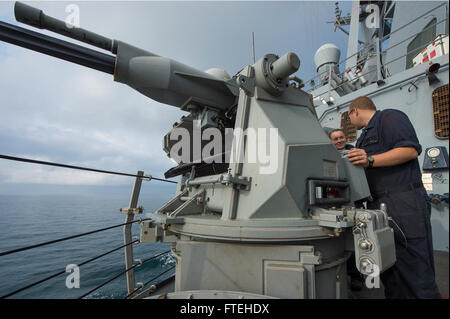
(337, 107)
(387, 63)
(146, 283)
(414, 35)
(342, 84)
(67, 238)
(123, 272)
(127, 230)
(417, 49)
(412, 21)
(384, 38)
(62, 272)
(365, 48)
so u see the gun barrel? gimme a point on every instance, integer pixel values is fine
(36, 18)
(159, 78)
(57, 48)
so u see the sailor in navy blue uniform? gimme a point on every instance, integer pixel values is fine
(388, 149)
(337, 137)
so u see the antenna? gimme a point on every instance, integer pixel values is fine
(253, 46)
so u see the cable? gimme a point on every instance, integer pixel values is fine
(410, 22)
(145, 284)
(156, 256)
(123, 272)
(67, 238)
(388, 35)
(27, 160)
(344, 104)
(62, 272)
(156, 277)
(403, 234)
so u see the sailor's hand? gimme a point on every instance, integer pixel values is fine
(358, 156)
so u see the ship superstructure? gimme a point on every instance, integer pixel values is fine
(398, 56)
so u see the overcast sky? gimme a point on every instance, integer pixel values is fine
(54, 110)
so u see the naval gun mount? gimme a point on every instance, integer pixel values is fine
(286, 233)
(280, 226)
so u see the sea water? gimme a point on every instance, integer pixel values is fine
(30, 219)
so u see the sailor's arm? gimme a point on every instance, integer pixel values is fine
(396, 156)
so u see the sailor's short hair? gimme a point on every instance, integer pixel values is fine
(363, 103)
(336, 130)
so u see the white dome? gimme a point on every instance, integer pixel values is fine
(327, 53)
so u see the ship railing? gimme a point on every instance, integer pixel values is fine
(418, 49)
(377, 48)
(409, 80)
(129, 241)
(414, 20)
(312, 82)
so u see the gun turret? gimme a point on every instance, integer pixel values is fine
(273, 189)
(209, 96)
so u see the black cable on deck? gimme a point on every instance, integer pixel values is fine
(27, 160)
(67, 238)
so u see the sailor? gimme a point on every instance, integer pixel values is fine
(388, 149)
(339, 140)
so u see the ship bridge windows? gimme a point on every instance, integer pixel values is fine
(440, 111)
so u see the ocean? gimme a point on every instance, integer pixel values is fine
(32, 218)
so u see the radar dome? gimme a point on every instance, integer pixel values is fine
(327, 53)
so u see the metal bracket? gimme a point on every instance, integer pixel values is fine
(163, 219)
(309, 257)
(331, 218)
(128, 210)
(191, 206)
(373, 241)
(240, 182)
(147, 177)
(247, 84)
